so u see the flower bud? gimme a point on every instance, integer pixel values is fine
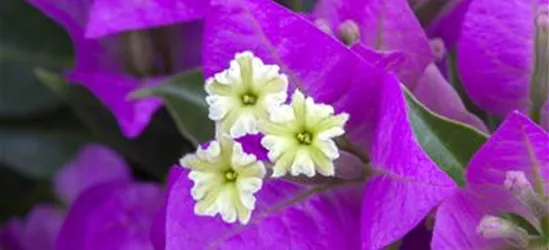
(349, 167)
(348, 32)
(438, 48)
(542, 21)
(520, 186)
(491, 227)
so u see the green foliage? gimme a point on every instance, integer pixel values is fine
(21, 95)
(184, 97)
(20, 193)
(449, 143)
(37, 136)
(154, 151)
(40, 148)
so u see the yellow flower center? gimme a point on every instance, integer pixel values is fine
(231, 175)
(304, 138)
(249, 99)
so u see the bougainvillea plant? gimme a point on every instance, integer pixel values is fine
(329, 124)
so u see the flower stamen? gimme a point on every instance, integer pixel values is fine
(231, 175)
(304, 138)
(249, 99)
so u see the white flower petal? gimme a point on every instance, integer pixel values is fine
(225, 204)
(199, 190)
(329, 170)
(276, 145)
(211, 153)
(187, 160)
(303, 164)
(247, 200)
(219, 106)
(249, 185)
(198, 176)
(331, 133)
(209, 85)
(260, 69)
(207, 211)
(279, 171)
(240, 158)
(246, 123)
(261, 169)
(281, 114)
(245, 216)
(274, 100)
(329, 148)
(317, 111)
(230, 76)
(244, 55)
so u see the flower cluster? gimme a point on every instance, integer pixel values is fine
(246, 99)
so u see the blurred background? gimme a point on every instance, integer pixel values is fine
(44, 121)
(43, 126)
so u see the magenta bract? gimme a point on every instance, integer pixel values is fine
(518, 145)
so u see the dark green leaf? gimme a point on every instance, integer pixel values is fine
(154, 151)
(37, 149)
(450, 144)
(20, 193)
(29, 40)
(184, 97)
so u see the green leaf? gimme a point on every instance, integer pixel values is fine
(184, 97)
(154, 151)
(449, 143)
(37, 149)
(29, 40)
(23, 193)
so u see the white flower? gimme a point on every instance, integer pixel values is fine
(299, 137)
(241, 95)
(225, 180)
